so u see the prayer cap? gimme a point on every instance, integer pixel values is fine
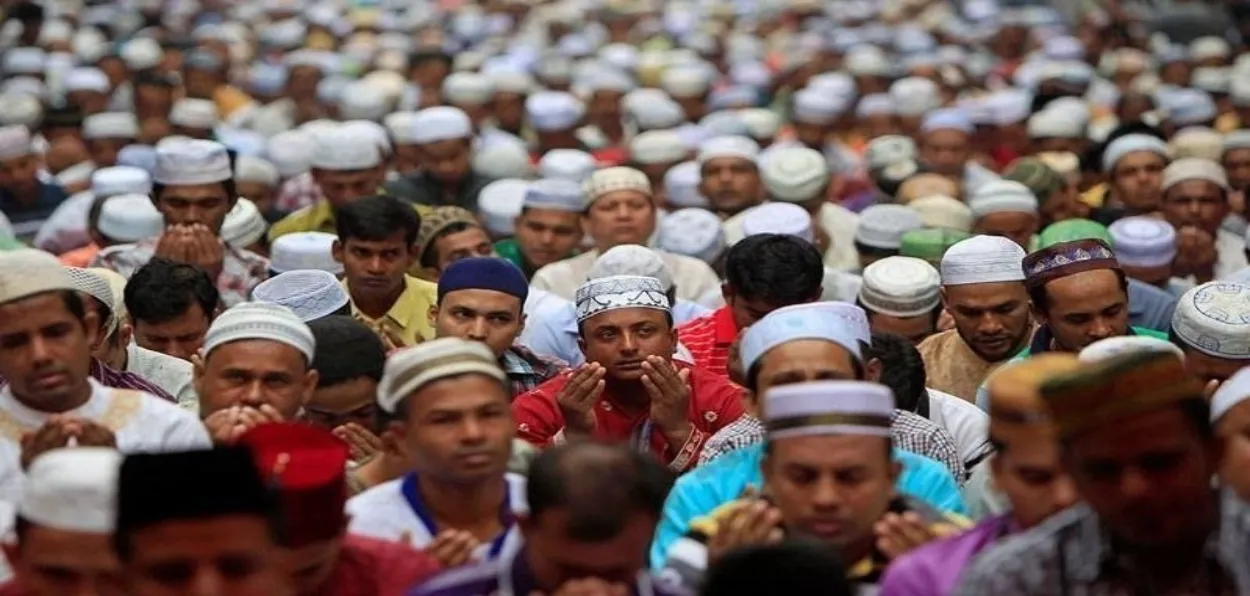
(1125, 344)
(1132, 143)
(685, 81)
(812, 106)
(799, 322)
(307, 468)
(191, 162)
(309, 293)
(913, 96)
(657, 147)
(550, 111)
(439, 123)
(410, 369)
(26, 272)
(20, 108)
(946, 119)
(900, 287)
(72, 490)
(209, 483)
(729, 146)
(1214, 318)
(141, 53)
(260, 321)
(887, 150)
(15, 141)
(401, 126)
(438, 219)
(1073, 229)
(794, 174)
(1143, 241)
(1237, 139)
(484, 273)
(24, 60)
(658, 114)
(190, 112)
(941, 211)
(129, 218)
(930, 244)
(467, 88)
(1231, 393)
(828, 408)
(554, 193)
(607, 180)
(1002, 196)
(117, 180)
(567, 164)
(631, 260)
(1117, 388)
(97, 287)
(341, 149)
(883, 226)
(244, 225)
(1033, 173)
(248, 168)
(291, 151)
(915, 186)
(982, 260)
(503, 158)
(500, 202)
(762, 123)
(110, 125)
(681, 186)
(620, 291)
(1067, 258)
(1193, 168)
(1017, 411)
(1054, 123)
(1190, 106)
(692, 232)
(778, 218)
(1197, 141)
(304, 250)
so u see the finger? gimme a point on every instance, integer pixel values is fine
(652, 389)
(271, 413)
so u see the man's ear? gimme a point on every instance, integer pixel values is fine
(872, 372)
(91, 326)
(310, 386)
(336, 251)
(432, 314)
(197, 373)
(524, 319)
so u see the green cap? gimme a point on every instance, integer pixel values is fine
(1036, 175)
(8, 243)
(1073, 229)
(930, 243)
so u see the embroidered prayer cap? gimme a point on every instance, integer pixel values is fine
(439, 123)
(1117, 388)
(129, 218)
(1214, 319)
(117, 180)
(309, 293)
(306, 467)
(549, 111)
(190, 112)
(26, 272)
(1126, 344)
(191, 162)
(110, 125)
(410, 369)
(1002, 196)
(15, 141)
(794, 174)
(778, 218)
(72, 490)
(1142, 241)
(438, 219)
(97, 287)
(607, 180)
(1132, 143)
(941, 211)
(244, 225)
(304, 250)
(1017, 411)
(930, 244)
(1232, 392)
(501, 201)
(681, 186)
(828, 408)
(620, 291)
(631, 260)
(1033, 173)
(812, 321)
(339, 148)
(853, 316)
(560, 194)
(1067, 258)
(657, 147)
(883, 226)
(888, 150)
(1193, 168)
(982, 260)
(1069, 230)
(567, 164)
(1197, 141)
(900, 287)
(484, 273)
(260, 321)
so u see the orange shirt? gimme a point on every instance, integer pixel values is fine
(80, 257)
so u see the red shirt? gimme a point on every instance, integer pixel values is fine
(11, 589)
(372, 567)
(708, 339)
(714, 403)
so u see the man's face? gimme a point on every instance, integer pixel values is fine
(1032, 476)
(1209, 368)
(1063, 204)
(50, 562)
(620, 217)
(1085, 307)
(469, 242)
(621, 339)
(254, 372)
(406, 158)
(257, 192)
(801, 361)
(993, 319)
(104, 151)
(945, 151)
(447, 161)
(493, 318)
(1136, 181)
(459, 429)
(45, 351)
(879, 125)
(374, 267)
(1234, 430)
(556, 558)
(1237, 165)
(811, 135)
(205, 204)
(832, 488)
(153, 100)
(914, 329)
(509, 110)
(180, 337)
(91, 102)
(1147, 477)
(231, 555)
(19, 173)
(604, 105)
(200, 83)
(351, 401)
(312, 565)
(341, 187)
(746, 311)
(547, 235)
(1018, 227)
(1196, 203)
(731, 184)
(301, 82)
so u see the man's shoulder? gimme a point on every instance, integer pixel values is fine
(368, 501)
(304, 219)
(467, 580)
(1035, 548)
(937, 341)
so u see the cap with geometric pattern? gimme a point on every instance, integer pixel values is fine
(1214, 318)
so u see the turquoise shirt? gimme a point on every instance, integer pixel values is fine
(723, 479)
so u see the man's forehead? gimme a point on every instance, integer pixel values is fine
(623, 317)
(481, 298)
(243, 355)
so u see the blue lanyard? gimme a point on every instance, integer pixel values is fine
(640, 438)
(409, 490)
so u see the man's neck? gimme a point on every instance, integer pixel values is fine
(376, 306)
(466, 507)
(70, 401)
(26, 196)
(629, 394)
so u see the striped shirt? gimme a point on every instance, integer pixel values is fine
(119, 379)
(708, 339)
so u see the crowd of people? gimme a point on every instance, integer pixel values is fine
(624, 297)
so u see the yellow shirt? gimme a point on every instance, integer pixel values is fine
(409, 318)
(229, 99)
(1094, 196)
(318, 217)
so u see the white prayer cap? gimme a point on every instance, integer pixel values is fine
(511, 81)
(1104, 349)
(607, 180)
(762, 123)
(343, 149)
(567, 164)
(1197, 141)
(1237, 139)
(440, 123)
(304, 250)
(507, 158)
(361, 100)
(1190, 106)
(887, 150)
(729, 146)
(26, 272)
(685, 81)
(309, 293)
(913, 96)
(1002, 196)
(554, 193)
(244, 225)
(681, 186)
(983, 260)
(900, 287)
(191, 112)
(72, 490)
(260, 321)
(794, 323)
(660, 114)
(631, 260)
(778, 218)
(1231, 393)
(291, 151)
(1214, 318)
(467, 88)
(867, 60)
(500, 202)
(1052, 123)
(692, 232)
(85, 78)
(657, 147)
(620, 291)
(408, 370)
(15, 142)
(941, 211)
(1211, 79)
(1208, 47)
(24, 60)
(812, 106)
(1132, 143)
(947, 119)
(110, 125)
(1143, 241)
(883, 226)
(723, 123)
(190, 162)
(248, 168)
(1193, 168)
(401, 126)
(130, 218)
(141, 53)
(116, 180)
(20, 108)
(554, 110)
(91, 284)
(828, 408)
(794, 174)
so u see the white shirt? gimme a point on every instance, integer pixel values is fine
(141, 422)
(963, 420)
(1231, 253)
(174, 375)
(562, 278)
(391, 510)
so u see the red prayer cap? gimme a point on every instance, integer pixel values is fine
(307, 468)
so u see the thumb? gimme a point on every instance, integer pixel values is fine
(684, 375)
(405, 537)
(1212, 386)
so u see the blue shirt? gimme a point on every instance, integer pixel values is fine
(50, 196)
(1150, 307)
(723, 479)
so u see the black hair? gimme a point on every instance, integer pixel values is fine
(93, 215)
(73, 303)
(422, 56)
(874, 251)
(346, 350)
(25, 12)
(902, 369)
(778, 268)
(375, 218)
(429, 256)
(1037, 293)
(795, 567)
(227, 184)
(65, 116)
(103, 311)
(601, 486)
(162, 290)
(149, 78)
(1198, 414)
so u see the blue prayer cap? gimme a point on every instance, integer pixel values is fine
(483, 273)
(803, 321)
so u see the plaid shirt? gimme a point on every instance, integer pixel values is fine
(241, 270)
(297, 193)
(119, 379)
(527, 370)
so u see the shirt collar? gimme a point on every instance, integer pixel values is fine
(405, 309)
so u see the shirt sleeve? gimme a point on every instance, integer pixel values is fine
(536, 415)
(725, 400)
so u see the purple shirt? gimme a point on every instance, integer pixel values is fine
(934, 569)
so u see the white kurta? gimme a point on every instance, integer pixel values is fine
(1231, 253)
(174, 375)
(562, 278)
(141, 422)
(963, 420)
